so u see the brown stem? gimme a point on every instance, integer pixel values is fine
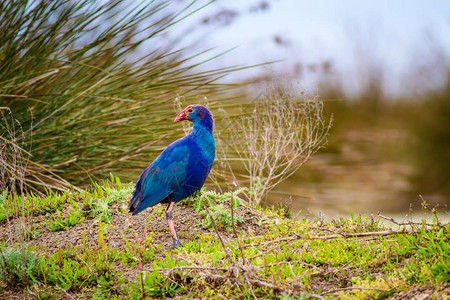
(217, 231)
(234, 228)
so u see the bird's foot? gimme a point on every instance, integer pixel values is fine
(176, 243)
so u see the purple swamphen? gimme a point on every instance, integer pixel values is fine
(180, 170)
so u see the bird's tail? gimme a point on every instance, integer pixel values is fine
(135, 202)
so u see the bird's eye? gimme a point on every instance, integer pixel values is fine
(190, 110)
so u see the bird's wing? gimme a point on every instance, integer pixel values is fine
(165, 175)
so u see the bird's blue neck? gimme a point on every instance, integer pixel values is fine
(206, 123)
(203, 133)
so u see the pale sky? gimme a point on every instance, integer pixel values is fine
(353, 34)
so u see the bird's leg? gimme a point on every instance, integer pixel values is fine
(175, 238)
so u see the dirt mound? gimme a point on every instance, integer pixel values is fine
(123, 227)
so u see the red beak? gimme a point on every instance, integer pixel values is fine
(181, 116)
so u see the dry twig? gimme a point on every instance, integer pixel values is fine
(275, 136)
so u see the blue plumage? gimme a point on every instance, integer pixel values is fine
(181, 169)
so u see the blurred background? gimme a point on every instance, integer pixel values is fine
(88, 88)
(383, 70)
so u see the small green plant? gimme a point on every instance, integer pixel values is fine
(221, 216)
(431, 254)
(58, 223)
(109, 287)
(219, 207)
(101, 211)
(3, 197)
(212, 197)
(112, 192)
(155, 284)
(139, 252)
(256, 187)
(27, 231)
(18, 267)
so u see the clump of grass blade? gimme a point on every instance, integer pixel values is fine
(88, 101)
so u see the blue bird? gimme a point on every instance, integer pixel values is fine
(180, 170)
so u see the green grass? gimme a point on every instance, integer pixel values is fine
(92, 203)
(281, 258)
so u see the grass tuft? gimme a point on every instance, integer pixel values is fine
(18, 268)
(87, 88)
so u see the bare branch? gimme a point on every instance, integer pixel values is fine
(275, 136)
